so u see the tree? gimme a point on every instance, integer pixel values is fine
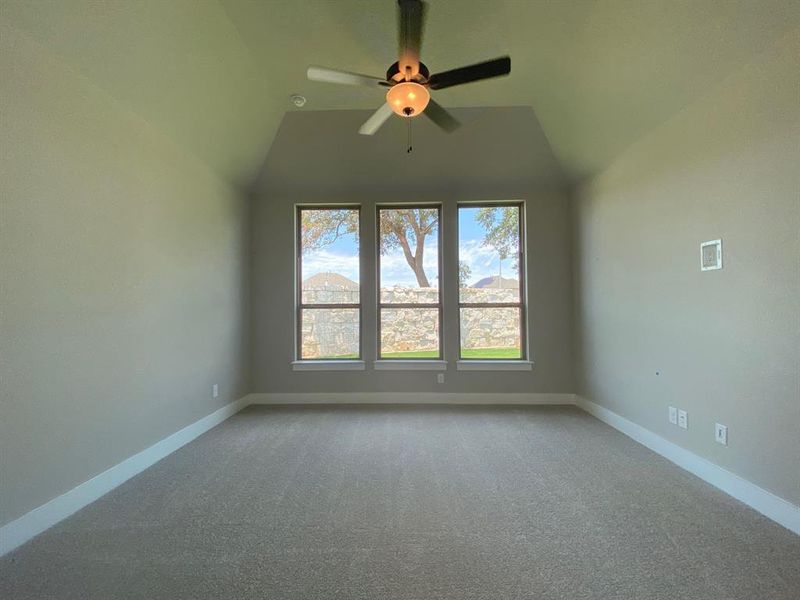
(464, 273)
(501, 225)
(320, 228)
(406, 229)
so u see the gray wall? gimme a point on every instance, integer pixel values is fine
(498, 154)
(725, 344)
(123, 282)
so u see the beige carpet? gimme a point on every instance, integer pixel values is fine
(422, 503)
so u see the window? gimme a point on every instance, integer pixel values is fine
(328, 290)
(408, 246)
(409, 267)
(491, 281)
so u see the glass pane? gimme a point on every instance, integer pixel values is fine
(488, 253)
(329, 256)
(329, 333)
(409, 248)
(490, 333)
(409, 333)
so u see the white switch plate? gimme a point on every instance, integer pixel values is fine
(683, 419)
(721, 434)
(215, 391)
(673, 415)
(440, 378)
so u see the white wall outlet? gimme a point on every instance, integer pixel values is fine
(440, 378)
(215, 391)
(683, 419)
(721, 434)
(673, 415)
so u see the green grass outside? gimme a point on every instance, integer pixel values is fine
(466, 353)
(507, 353)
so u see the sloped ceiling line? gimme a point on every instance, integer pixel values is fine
(215, 75)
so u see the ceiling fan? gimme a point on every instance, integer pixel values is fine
(408, 81)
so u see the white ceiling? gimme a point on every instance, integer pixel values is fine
(216, 75)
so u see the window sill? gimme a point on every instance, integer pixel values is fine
(328, 365)
(410, 365)
(494, 365)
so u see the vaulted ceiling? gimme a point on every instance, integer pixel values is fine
(216, 75)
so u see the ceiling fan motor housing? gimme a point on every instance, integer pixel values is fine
(394, 74)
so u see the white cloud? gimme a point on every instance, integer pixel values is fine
(476, 255)
(482, 261)
(323, 261)
(395, 270)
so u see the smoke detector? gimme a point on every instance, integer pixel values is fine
(298, 100)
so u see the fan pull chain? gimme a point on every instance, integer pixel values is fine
(410, 148)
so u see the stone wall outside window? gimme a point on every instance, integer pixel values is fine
(329, 333)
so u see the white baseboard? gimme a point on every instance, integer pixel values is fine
(768, 504)
(21, 530)
(408, 398)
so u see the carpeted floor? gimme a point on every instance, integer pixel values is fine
(422, 503)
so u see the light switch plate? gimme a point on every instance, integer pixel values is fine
(673, 415)
(721, 434)
(215, 391)
(683, 419)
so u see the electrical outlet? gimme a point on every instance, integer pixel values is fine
(440, 378)
(683, 419)
(215, 391)
(721, 434)
(673, 415)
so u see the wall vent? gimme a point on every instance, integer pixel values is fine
(711, 255)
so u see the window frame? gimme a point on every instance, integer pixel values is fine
(300, 305)
(521, 304)
(409, 305)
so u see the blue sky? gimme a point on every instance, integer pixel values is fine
(342, 257)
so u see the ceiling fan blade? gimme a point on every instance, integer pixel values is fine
(378, 118)
(412, 19)
(344, 77)
(484, 70)
(439, 115)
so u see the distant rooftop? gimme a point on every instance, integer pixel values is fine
(329, 281)
(497, 282)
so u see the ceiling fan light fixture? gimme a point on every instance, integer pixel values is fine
(408, 99)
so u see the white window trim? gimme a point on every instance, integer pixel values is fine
(410, 365)
(328, 365)
(301, 364)
(494, 365)
(504, 365)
